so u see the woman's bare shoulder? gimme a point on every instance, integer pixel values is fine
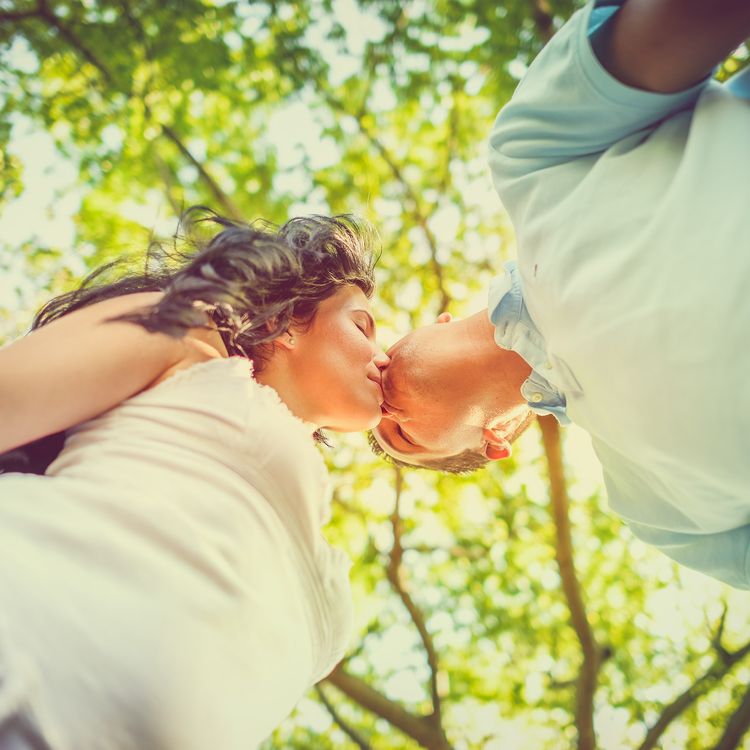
(197, 350)
(199, 344)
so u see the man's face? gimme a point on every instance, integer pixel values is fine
(427, 412)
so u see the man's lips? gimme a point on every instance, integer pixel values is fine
(387, 407)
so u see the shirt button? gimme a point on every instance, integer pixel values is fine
(537, 397)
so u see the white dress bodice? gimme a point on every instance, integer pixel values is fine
(166, 583)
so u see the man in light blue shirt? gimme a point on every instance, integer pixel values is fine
(624, 170)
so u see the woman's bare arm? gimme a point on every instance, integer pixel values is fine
(78, 367)
(669, 45)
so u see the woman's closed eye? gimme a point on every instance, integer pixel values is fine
(365, 323)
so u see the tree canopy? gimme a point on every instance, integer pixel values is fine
(508, 609)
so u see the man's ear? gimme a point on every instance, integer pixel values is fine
(497, 445)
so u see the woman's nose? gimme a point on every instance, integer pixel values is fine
(381, 359)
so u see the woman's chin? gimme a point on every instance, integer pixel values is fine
(363, 419)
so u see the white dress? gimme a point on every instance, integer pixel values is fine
(166, 584)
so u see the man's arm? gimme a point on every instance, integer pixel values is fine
(670, 45)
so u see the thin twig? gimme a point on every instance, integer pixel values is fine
(344, 725)
(723, 663)
(226, 203)
(414, 204)
(393, 572)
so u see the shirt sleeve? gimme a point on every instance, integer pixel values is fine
(724, 555)
(568, 106)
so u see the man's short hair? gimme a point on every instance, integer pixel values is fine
(465, 462)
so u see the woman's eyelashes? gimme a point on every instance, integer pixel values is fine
(364, 325)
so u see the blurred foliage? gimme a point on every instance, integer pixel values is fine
(380, 108)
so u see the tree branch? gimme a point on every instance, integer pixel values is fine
(450, 142)
(393, 573)
(415, 208)
(352, 733)
(737, 726)
(170, 182)
(587, 678)
(419, 728)
(72, 39)
(426, 730)
(18, 15)
(723, 663)
(226, 203)
(541, 12)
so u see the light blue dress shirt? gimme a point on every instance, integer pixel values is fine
(515, 330)
(630, 295)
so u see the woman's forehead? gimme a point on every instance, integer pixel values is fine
(349, 296)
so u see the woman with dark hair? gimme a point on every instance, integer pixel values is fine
(164, 582)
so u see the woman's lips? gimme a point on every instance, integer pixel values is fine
(380, 389)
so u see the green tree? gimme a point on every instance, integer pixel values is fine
(507, 609)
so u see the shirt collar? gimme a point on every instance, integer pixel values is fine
(516, 331)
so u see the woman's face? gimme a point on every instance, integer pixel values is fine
(336, 364)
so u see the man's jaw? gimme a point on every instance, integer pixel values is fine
(387, 434)
(379, 434)
(388, 431)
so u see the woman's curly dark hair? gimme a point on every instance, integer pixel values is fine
(250, 281)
